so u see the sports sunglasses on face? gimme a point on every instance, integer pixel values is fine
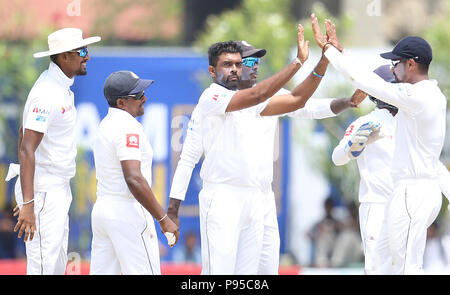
(81, 52)
(250, 61)
(137, 96)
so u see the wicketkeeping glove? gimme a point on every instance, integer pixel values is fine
(357, 143)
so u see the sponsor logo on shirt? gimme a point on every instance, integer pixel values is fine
(349, 130)
(66, 109)
(38, 110)
(133, 140)
(216, 96)
(40, 118)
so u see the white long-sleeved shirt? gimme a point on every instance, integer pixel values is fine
(258, 133)
(420, 129)
(374, 163)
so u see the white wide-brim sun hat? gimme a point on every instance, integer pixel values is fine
(65, 40)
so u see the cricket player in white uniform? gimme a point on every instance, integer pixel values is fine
(375, 187)
(265, 129)
(231, 210)
(419, 137)
(370, 140)
(47, 151)
(124, 236)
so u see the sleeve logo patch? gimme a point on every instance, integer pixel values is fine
(66, 109)
(38, 110)
(349, 130)
(215, 96)
(40, 118)
(133, 140)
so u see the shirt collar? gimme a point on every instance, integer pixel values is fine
(120, 112)
(55, 72)
(217, 85)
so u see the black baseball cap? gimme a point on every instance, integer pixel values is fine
(411, 47)
(384, 72)
(249, 50)
(124, 83)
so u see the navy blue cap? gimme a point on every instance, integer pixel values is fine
(249, 50)
(384, 72)
(124, 83)
(411, 47)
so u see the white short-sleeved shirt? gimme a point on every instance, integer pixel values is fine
(421, 118)
(375, 163)
(50, 109)
(228, 139)
(120, 137)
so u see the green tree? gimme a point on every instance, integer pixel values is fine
(18, 72)
(437, 34)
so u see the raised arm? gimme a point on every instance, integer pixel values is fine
(297, 99)
(262, 91)
(397, 94)
(339, 105)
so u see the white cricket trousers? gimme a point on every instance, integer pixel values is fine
(231, 228)
(47, 252)
(124, 238)
(374, 236)
(270, 252)
(414, 207)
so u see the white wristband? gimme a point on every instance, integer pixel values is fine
(28, 202)
(165, 215)
(298, 61)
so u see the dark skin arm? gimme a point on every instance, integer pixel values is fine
(172, 210)
(20, 135)
(297, 99)
(141, 190)
(252, 96)
(26, 222)
(341, 104)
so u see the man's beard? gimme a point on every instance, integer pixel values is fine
(81, 72)
(232, 85)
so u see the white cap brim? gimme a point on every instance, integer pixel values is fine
(84, 42)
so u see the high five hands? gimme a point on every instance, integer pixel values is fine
(324, 41)
(302, 45)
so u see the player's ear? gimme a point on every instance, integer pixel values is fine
(120, 102)
(411, 63)
(212, 72)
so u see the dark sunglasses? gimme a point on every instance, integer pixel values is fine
(137, 96)
(394, 63)
(397, 61)
(250, 61)
(81, 52)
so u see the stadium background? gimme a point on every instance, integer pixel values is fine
(167, 41)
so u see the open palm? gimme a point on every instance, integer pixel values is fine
(302, 45)
(320, 38)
